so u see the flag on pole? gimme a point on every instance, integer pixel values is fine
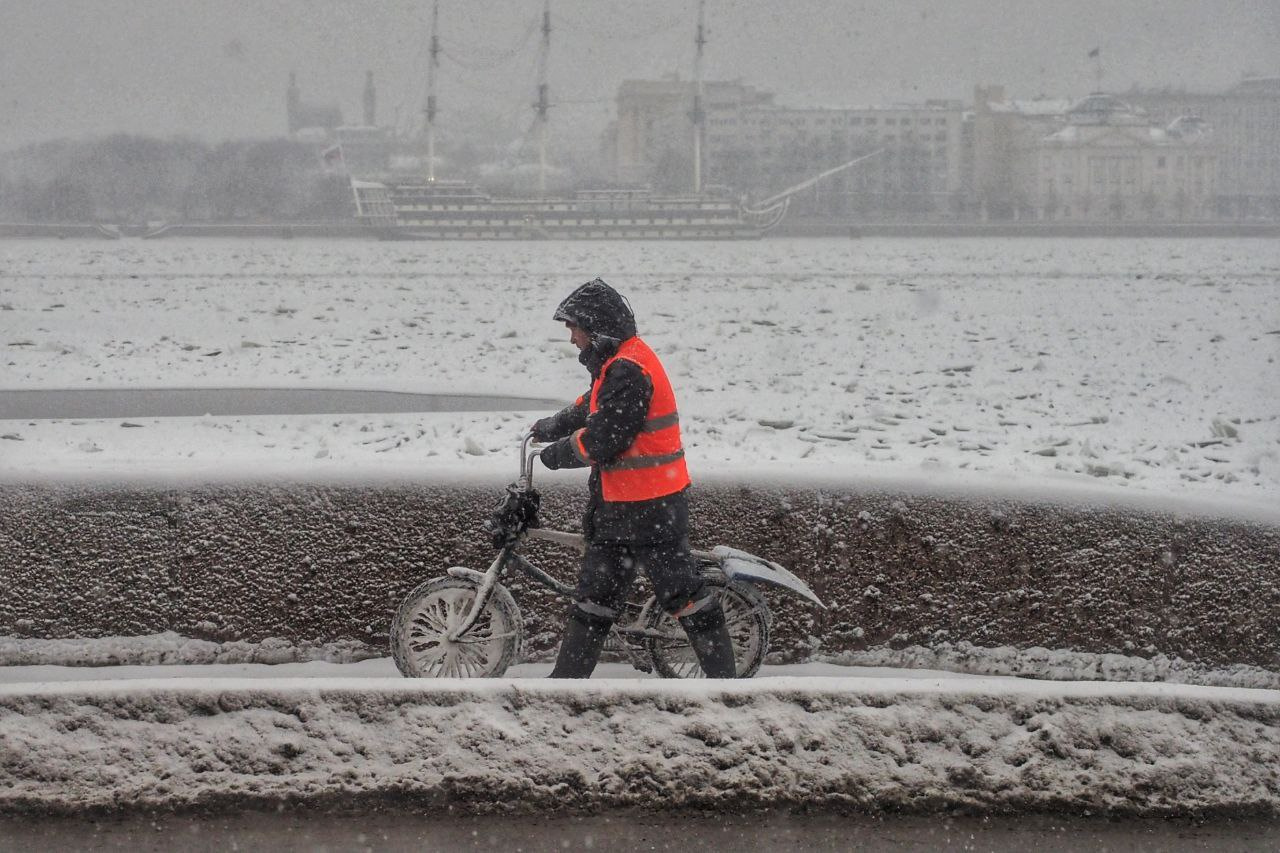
(1093, 54)
(332, 161)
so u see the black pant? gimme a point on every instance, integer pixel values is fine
(609, 570)
(603, 585)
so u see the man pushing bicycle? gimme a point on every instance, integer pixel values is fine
(626, 428)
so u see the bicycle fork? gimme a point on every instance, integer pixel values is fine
(487, 582)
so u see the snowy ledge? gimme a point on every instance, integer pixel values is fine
(980, 745)
(172, 649)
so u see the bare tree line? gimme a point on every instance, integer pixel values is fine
(130, 178)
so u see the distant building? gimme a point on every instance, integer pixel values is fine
(915, 170)
(1157, 155)
(1003, 142)
(756, 148)
(1108, 162)
(361, 150)
(304, 116)
(1245, 124)
(651, 142)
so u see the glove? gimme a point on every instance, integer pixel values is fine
(544, 429)
(550, 455)
(517, 512)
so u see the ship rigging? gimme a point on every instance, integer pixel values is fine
(424, 207)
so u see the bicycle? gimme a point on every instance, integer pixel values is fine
(467, 624)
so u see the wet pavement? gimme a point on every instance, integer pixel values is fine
(197, 402)
(674, 831)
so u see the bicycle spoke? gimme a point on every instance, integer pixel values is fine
(429, 621)
(420, 644)
(472, 659)
(474, 640)
(430, 659)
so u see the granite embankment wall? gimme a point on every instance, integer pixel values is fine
(313, 561)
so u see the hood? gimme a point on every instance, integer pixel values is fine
(599, 309)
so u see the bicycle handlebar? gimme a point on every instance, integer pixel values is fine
(526, 460)
(527, 457)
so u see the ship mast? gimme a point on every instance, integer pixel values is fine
(697, 115)
(432, 63)
(542, 106)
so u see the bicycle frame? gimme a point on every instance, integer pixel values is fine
(729, 562)
(509, 554)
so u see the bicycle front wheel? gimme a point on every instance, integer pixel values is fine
(420, 641)
(747, 616)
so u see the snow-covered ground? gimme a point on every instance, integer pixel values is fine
(861, 739)
(817, 735)
(1146, 364)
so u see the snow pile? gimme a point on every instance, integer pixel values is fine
(1143, 363)
(506, 745)
(1057, 665)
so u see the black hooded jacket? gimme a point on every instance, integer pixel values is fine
(623, 404)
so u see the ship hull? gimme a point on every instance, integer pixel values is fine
(594, 231)
(457, 211)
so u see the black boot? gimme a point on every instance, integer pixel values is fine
(709, 636)
(580, 647)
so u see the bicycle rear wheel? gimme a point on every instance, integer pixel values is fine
(747, 616)
(419, 633)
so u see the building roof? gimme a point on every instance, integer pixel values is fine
(1035, 107)
(1101, 108)
(1077, 133)
(1184, 131)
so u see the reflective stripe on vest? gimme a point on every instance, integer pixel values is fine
(655, 424)
(634, 462)
(653, 466)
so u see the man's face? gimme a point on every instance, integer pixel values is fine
(578, 336)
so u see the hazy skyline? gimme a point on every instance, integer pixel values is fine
(217, 70)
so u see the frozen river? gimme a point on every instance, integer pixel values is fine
(85, 403)
(1125, 363)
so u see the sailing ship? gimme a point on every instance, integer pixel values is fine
(421, 207)
(454, 210)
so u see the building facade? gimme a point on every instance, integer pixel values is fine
(914, 167)
(1245, 125)
(1004, 139)
(1161, 156)
(756, 148)
(651, 142)
(1108, 162)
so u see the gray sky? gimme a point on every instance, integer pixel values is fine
(218, 68)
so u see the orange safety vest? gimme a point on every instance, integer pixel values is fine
(653, 466)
